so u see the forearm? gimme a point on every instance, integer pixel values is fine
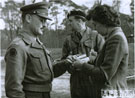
(95, 72)
(60, 67)
(13, 83)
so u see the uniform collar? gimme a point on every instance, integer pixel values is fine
(34, 42)
(86, 35)
(76, 37)
(38, 40)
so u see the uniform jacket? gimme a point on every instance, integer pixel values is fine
(81, 84)
(73, 43)
(28, 67)
(112, 63)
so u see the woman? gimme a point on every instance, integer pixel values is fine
(110, 68)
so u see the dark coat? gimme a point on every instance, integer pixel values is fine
(28, 67)
(81, 84)
(112, 64)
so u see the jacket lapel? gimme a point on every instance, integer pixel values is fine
(86, 35)
(36, 45)
(87, 39)
(30, 40)
(76, 37)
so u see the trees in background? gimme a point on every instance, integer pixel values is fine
(126, 20)
(11, 15)
(53, 37)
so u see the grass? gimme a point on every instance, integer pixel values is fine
(61, 87)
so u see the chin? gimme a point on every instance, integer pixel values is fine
(40, 33)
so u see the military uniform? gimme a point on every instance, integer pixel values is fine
(29, 70)
(81, 84)
(28, 64)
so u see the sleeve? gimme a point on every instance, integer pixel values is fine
(15, 59)
(113, 56)
(99, 42)
(108, 68)
(60, 67)
(95, 72)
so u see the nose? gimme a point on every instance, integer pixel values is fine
(43, 25)
(43, 21)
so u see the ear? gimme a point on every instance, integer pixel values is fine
(28, 18)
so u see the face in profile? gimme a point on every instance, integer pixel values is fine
(37, 25)
(90, 24)
(100, 28)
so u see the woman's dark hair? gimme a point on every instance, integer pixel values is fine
(106, 15)
(89, 15)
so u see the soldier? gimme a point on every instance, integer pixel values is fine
(29, 71)
(110, 69)
(81, 41)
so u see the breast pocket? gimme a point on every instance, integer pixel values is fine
(49, 58)
(89, 43)
(37, 61)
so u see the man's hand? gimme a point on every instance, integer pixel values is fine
(93, 52)
(92, 57)
(72, 58)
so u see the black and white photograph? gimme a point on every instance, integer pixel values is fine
(67, 49)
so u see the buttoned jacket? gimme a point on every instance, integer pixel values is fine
(28, 67)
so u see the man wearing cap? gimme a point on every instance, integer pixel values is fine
(82, 41)
(29, 71)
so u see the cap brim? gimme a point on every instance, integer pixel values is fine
(43, 16)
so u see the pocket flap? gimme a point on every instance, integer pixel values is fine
(47, 51)
(88, 43)
(36, 55)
